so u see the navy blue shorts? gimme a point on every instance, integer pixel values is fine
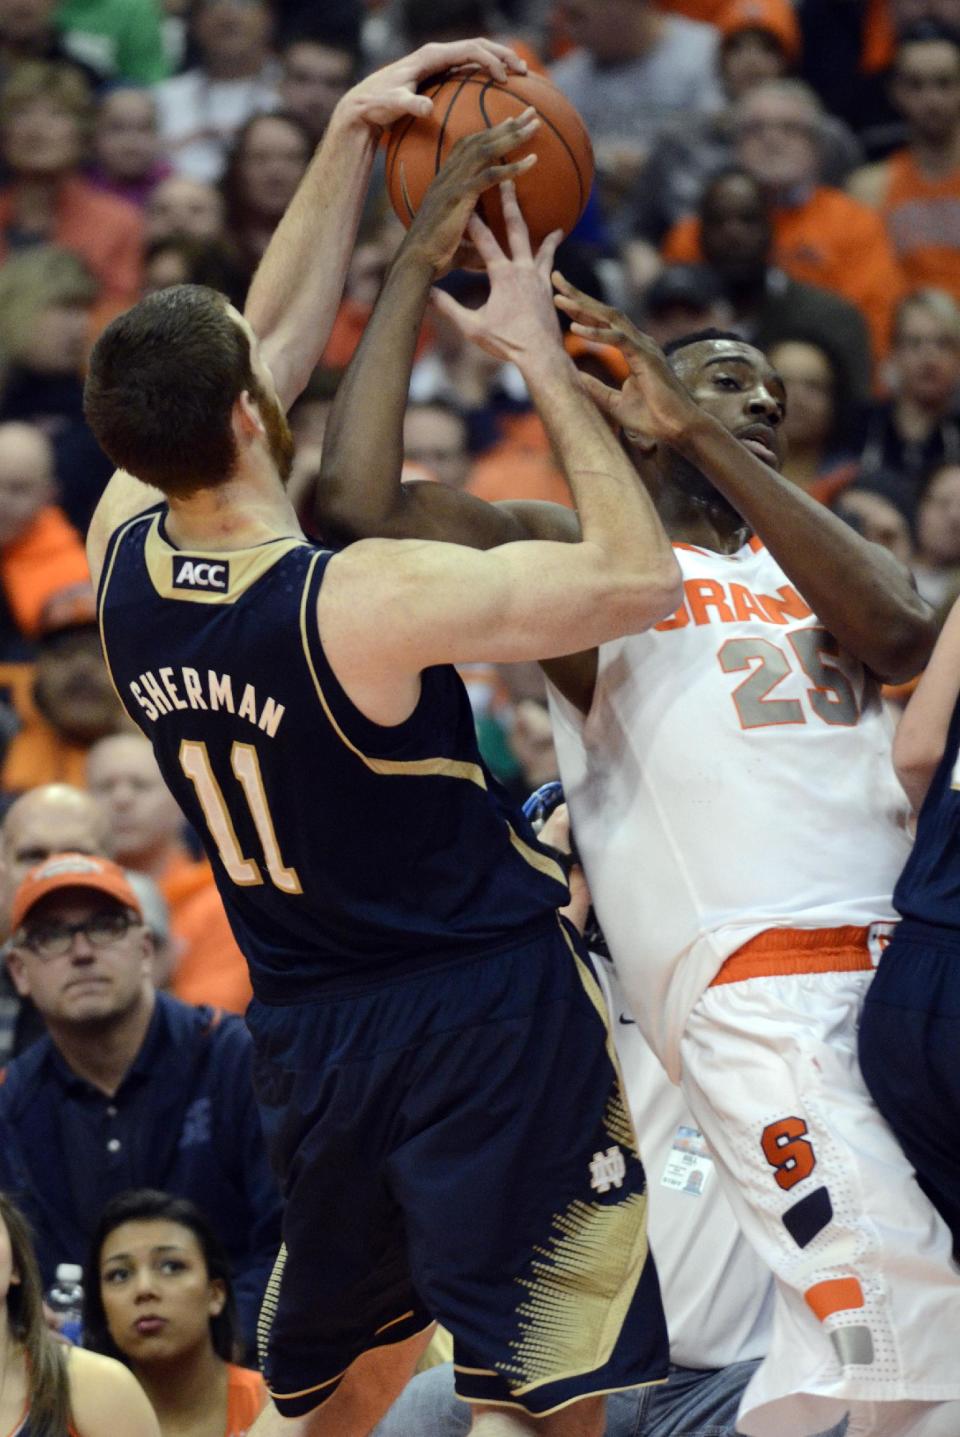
(456, 1147)
(910, 1056)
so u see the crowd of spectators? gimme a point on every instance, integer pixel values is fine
(790, 171)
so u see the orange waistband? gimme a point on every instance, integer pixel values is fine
(780, 951)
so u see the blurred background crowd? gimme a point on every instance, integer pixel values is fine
(789, 171)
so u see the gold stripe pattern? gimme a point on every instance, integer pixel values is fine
(102, 604)
(541, 861)
(268, 1307)
(584, 1278)
(559, 1406)
(583, 1283)
(419, 767)
(246, 566)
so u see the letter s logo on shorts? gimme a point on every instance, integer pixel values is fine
(201, 574)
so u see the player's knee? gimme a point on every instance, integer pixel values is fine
(582, 1419)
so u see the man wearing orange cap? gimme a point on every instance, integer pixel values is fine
(759, 41)
(129, 1088)
(821, 235)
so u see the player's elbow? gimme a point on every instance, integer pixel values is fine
(656, 593)
(916, 756)
(907, 643)
(338, 515)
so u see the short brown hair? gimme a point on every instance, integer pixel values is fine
(162, 383)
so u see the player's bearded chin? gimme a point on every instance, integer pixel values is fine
(279, 437)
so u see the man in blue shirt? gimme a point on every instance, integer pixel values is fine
(129, 1088)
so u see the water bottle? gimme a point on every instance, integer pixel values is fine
(65, 1298)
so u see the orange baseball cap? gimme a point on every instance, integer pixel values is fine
(72, 870)
(775, 16)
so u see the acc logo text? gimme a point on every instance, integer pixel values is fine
(201, 574)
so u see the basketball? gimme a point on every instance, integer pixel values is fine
(552, 194)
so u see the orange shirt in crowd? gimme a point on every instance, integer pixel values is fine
(246, 1399)
(46, 583)
(39, 754)
(832, 241)
(879, 37)
(208, 965)
(352, 319)
(921, 217)
(520, 467)
(43, 569)
(107, 234)
(705, 10)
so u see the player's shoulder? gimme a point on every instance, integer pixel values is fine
(124, 499)
(375, 567)
(105, 1396)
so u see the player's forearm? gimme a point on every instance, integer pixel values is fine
(296, 290)
(359, 485)
(616, 513)
(859, 591)
(922, 733)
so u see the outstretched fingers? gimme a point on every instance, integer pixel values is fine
(547, 253)
(602, 395)
(484, 241)
(497, 59)
(458, 314)
(602, 323)
(583, 308)
(510, 134)
(518, 236)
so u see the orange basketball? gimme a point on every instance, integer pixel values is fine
(552, 194)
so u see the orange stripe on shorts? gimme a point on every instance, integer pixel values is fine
(840, 1294)
(782, 951)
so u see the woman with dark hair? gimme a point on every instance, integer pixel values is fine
(158, 1295)
(267, 162)
(936, 563)
(49, 1389)
(818, 417)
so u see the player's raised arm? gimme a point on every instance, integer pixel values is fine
(358, 493)
(296, 290)
(857, 589)
(535, 599)
(921, 736)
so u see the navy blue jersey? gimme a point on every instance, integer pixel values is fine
(929, 887)
(344, 851)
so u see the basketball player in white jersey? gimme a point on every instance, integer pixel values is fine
(728, 775)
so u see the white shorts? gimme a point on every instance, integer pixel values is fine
(868, 1298)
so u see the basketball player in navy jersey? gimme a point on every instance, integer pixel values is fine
(910, 1030)
(434, 1068)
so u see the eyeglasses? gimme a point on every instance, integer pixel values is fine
(764, 126)
(54, 940)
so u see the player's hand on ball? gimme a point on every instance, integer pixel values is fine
(474, 166)
(518, 320)
(389, 94)
(652, 406)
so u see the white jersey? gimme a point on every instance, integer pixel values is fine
(717, 1293)
(733, 775)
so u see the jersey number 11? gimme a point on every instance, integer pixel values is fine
(195, 762)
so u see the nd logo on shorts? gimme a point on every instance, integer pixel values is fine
(607, 1170)
(196, 573)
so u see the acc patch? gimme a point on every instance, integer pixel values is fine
(212, 575)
